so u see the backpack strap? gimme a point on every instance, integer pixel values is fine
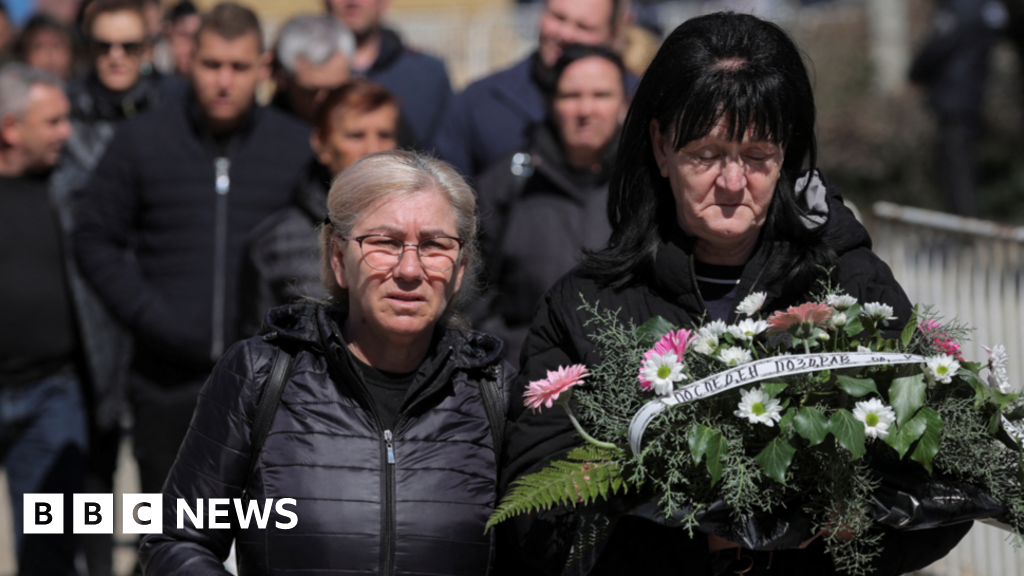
(269, 399)
(494, 404)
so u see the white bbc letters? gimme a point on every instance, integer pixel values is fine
(93, 514)
(43, 514)
(142, 513)
(219, 508)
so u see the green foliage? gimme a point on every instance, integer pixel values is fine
(907, 433)
(812, 425)
(776, 458)
(909, 330)
(708, 442)
(907, 395)
(849, 432)
(857, 387)
(928, 446)
(587, 473)
(774, 388)
(652, 330)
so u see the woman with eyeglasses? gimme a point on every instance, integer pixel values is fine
(388, 429)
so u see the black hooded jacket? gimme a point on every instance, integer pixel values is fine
(558, 337)
(537, 214)
(358, 511)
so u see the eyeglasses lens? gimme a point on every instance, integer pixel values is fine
(436, 254)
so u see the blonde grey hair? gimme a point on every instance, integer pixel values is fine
(315, 39)
(16, 82)
(390, 174)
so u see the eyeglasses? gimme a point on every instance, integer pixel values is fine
(100, 47)
(438, 254)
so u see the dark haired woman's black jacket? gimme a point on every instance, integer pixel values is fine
(558, 337)
(357, 513)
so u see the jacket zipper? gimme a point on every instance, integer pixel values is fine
(222, 185)
(389, 504)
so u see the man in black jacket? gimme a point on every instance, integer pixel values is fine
(163, 221)
(419, 81)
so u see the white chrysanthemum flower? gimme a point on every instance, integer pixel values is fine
(864, 349)
(714, 328)
(943, 367)
(734, 356)
(840, 301)
(822, 335)
(748, 329)
(705, 344)
(878, 312)
(840, 319)
(998, 377)
(663, 371)
(756, 407)
(751, 304)
(876, 416)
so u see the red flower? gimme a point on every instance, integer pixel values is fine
(545, 392)
(801, 321)
(942, 341)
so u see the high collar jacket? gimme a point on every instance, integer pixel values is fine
(412, 500)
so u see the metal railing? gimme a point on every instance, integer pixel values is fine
(971, 270)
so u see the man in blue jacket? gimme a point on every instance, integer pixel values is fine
(420, 82)
(162, 223)
(490, 118)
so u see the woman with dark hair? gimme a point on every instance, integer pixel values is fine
(714, 196)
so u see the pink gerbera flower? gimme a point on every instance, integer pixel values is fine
(941, 339)
(545, 392)
(801, 321)
(674, 341)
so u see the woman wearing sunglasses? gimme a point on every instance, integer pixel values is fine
(120, 83)
(389, 427)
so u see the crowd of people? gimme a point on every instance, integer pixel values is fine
(390, 250)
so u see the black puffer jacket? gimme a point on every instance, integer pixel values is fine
(357, 514)
(558, 337)
(162, 223)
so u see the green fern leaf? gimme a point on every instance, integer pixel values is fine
(588, 473)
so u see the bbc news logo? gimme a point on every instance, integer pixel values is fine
(143, 513)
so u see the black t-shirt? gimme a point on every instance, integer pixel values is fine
(38, 336)
(387, 391)
(717, 285)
